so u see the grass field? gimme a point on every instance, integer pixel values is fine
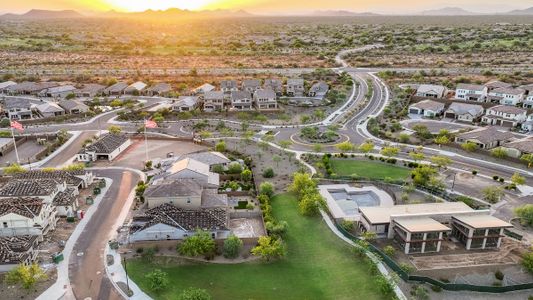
(368, 169)
(318, 266)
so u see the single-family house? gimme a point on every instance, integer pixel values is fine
(186, 103)
(504, 115)
(159, 89)
(464, 112)
(485, 138)
(18, 108)
(58, 91)
(241, 100)
(90, 90)
(45, 189)
(26, 216)
(4, 85)
(228, 86)
(210, 158)
(496, 84)
(519, 147)
(66, 202)
(135, 88)
(182, 193)
(17, 250)
(427, 108)
(214, 101)
(251, 85)
(204, 88)
(73, 179)
(189, 168)
(274, 84)
(50, 109)
(431, 91)
(29, 88)
(319, 90)
(265, 99)
(506, 96)
(168, 222)
(74, 107)
(474, 92)
(295, 87)
(107, 147)
(528, 124)
(116, 89)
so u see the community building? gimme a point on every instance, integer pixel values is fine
(107, 147)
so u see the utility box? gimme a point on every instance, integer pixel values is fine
(89, 200)
(102, 184)
(97, 191)
(57, 257)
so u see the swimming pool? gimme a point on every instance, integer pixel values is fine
(350, 202)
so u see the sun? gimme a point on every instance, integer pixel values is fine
(142, 5)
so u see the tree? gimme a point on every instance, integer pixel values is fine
(441, 161)
(404, 137)
(416, 156)
(301, 184)
(276, 158)
(345, 146)
(442, 140)
(469, 146)
(14, 169)
(525, 213)
(26, 275)
(499, 152)
(114, 129)
(518, 179)
(204, 134)
(157, 280)
(423, 174)
(492, 194)
(389, 251)
(366, 147)
(234, 168)
(268, 173)
(269, 248)
(232, 246)
(266, 188)
(199, 244)
(309, 204)
(389, 151)
(246, 175)
(527, 260)
(220, 146)
(527, 158)
(194, 294)
(74, 167)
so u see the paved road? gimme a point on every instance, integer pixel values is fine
(86, 271)
(71, 150)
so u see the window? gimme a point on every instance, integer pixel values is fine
(5, 224)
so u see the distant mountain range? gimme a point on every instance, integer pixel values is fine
(38, 14)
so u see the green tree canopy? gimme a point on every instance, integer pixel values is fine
(199, 244)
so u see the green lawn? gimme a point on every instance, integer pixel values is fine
(318, 266)
(368, 169)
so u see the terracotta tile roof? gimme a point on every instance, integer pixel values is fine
(107, 143)
(28, 188)
(14, 249)
(65, 198)
(27, 207)
(59, 175)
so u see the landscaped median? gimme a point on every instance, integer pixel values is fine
(318, 265)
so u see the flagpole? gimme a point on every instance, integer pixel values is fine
(145, 142)
(15, 144)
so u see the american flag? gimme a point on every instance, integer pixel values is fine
(150, 124)
(17, 125)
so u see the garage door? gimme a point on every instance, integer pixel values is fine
(413, 111)
(450, 115)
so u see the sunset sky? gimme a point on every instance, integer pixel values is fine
(265, 6)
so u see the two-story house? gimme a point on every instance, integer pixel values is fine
(506, 96)
(214, 101)
(26, 216)
(251, 85)
(319, 90)
(473, 92)
(274, 84)
(295, 87)
(241, 100)
(18, 108)
(504, 115)
(265, 99)
(228, 86)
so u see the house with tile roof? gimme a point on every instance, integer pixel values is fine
(431, 91)
(295, 87)
(168, 222)
(107, 147)
(251, 85)
(189, 168)
(265, 100)
(274, 84)
(89, 90)
(16, 250)
(186, 103)
(135, 88)
(73, 107)
(504, 115)
(241, 100)
(486, 137)
(26, 216)
(116, 89)
(159, 89)
(50, 110)
(464, 112)
(427, 108)
(76, 179)
(506, 96)
(17, 108)
(45, 189)
(473, 92)
(213, 101)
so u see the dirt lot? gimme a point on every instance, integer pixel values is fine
(134, 156)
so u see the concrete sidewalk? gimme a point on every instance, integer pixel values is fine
(61, 288)
(116, 273)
